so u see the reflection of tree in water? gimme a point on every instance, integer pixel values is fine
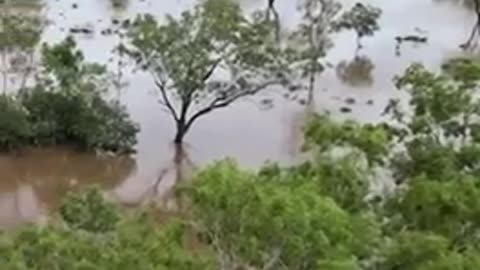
(51, 173)
(357, 72)
(180, 168)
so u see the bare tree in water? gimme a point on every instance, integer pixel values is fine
(276, 18)
(475, 33)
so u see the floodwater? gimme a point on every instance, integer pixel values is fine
(34, 181)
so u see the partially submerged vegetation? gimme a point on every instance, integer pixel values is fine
(322, 214)
(402, 194)
(61, 100)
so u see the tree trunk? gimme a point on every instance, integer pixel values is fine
(181, 131)
(311, 87)
(359, 46)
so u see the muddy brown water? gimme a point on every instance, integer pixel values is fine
(34, 181)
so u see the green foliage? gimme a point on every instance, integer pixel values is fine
(314, 215)
(19, 36)
(430, 146)
(186, 54)
(343, 179)
(356, 72)
(440, 133)
(14, 125)
(136, 244)
(362, 18)
(325, 134)
(120, 3)
(451, 209)
(311, 41)
(66, 106)
(420, 251)
(19, 32)
(89, 211)
(88, 122)
(256, 223)
(65, 70)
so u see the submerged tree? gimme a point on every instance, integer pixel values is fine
(475, 33)
(207, 59)
(320, 18)
(363, 19)
(276, 18)
(19, 36)
(120, 4)
(312, 39)
(68, 105)
(357, 72)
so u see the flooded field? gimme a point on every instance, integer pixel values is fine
(34, 180)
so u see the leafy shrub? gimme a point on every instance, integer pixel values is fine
(261, 222)
(137, 243)
(14, 126)
(106, 126)
(89, 211)
(88, 122)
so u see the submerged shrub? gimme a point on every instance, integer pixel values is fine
(106, 126)
(88, 122)
(14, 126)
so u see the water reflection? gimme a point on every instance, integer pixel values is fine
(34, 181)
(356, 72)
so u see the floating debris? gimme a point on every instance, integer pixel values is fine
(345, 110)
(350, 100)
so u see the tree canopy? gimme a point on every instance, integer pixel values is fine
(186, 55)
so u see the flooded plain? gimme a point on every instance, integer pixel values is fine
(33, 181)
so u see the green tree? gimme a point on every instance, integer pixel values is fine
(14, 126)
(68, 104)
(311, 41)
(19, 36)
(206, 59)
(440, 134)
(430, 145)
(361, 18)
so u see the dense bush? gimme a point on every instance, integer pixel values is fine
(14, 125)
(135, 243)
(89, 123)
(66, 105)
(40, 118)
(88, 211)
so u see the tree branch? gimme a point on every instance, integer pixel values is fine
(212, 69)
(166, 100)
(221, 102)
(273, 260)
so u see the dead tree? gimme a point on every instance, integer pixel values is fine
(475, 33)
(276, 18)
